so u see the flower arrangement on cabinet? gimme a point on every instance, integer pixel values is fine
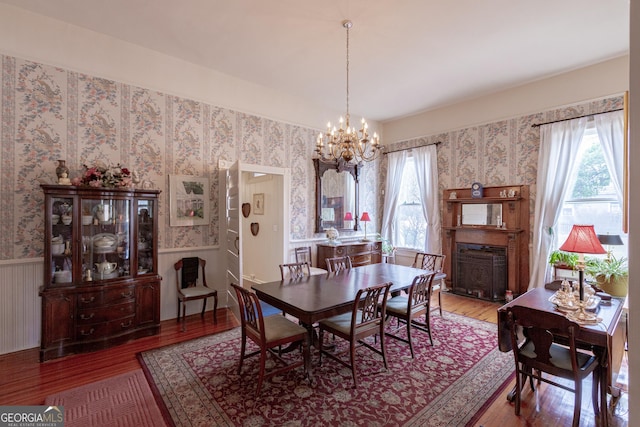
(101, 175)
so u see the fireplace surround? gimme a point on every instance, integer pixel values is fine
(503, 243)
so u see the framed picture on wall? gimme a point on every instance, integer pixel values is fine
(188, 200)
(258, 203)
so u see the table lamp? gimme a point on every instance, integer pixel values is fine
(365, 218)
(610, 240)
(582, 240)
(348, 217)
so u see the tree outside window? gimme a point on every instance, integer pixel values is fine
(411, 226)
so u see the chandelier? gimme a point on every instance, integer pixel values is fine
(347, 143)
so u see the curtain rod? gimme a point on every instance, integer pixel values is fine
(410, 148)
(535, 125)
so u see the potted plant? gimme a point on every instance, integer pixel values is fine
(562, 259)
(611, 274)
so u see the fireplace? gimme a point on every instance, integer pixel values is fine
(481, 271)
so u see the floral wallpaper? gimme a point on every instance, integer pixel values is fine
(50, 113)
(498, 153)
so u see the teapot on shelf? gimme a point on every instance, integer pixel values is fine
(106, 267)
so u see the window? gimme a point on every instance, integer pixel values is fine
(591, 198)
(411, 226)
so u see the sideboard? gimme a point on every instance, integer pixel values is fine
(361, 253)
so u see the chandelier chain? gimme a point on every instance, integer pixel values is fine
(347, 25)
(347, 144)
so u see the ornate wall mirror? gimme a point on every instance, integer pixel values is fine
(337, 195)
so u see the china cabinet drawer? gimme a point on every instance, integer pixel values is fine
(103, 314)
(110, 296)
(104, 330)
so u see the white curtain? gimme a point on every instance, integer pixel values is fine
(426, 164)
(396, 162)
(610, 128)
(559, 143)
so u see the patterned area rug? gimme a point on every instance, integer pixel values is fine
(445, 385)
(124, 400)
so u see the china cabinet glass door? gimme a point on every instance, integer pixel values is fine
(146, 238)
(61, 239)
(106, 238)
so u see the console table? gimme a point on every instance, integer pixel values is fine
(361, 253)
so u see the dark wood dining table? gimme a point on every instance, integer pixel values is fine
(598, 336)
(318, 297)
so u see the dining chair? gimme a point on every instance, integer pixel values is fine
(303, 254)
(294, 270)
(435, 263)
(191, 287)
(366, 318)
(267, 333)
(540, 352)
(338, 264)
(407, 308)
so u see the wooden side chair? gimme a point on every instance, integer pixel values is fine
(268, 333)
(366, 318)
(192, 287)
(540, 352)
(303, 254)
(407, 308)
(338, 264)
(435, 263)
(294, 270)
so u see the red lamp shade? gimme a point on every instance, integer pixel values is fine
(348, 216)
(583, 240)
(365, 217)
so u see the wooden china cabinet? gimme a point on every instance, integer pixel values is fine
(101, 283)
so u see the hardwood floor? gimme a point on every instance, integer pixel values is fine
(26, 381)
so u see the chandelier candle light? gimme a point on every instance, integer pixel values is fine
(347, 142)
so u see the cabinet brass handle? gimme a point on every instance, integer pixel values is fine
(127, 294)
(92, 299)
(90, 332)
(126, 325)
(84, 317)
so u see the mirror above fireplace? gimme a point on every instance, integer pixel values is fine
(482, 214)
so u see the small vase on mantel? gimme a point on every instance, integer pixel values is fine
(62, 171)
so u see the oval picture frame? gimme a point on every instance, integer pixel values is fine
(246, 209)
(255, 228)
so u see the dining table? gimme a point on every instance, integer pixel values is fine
(597, 335)
(316, 297)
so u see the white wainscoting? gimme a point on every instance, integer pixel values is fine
(20, 303)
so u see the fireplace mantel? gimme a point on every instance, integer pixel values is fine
(514, 236)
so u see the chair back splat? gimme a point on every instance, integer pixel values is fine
(303, 254)
(408, 308)
(338, 264)
(544, 341)
(268, 333)
(432, 262)
(366, 318)
(191, 285)
(294, 270)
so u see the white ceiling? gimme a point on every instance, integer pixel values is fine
(406, 56)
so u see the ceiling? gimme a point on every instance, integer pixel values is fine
(406, 56)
